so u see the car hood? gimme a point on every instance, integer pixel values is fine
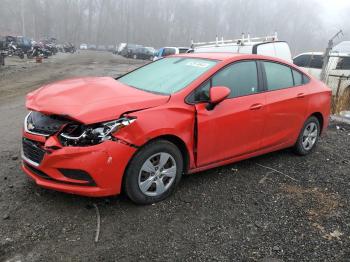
(91, 100)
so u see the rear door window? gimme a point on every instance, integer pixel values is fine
(316, 62)
(298, 78)
(278, 76)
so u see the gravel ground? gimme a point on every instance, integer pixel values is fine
(242, 212)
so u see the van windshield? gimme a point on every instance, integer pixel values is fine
(167, 75)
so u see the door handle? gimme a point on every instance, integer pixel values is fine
(256, 107)
(301, 95)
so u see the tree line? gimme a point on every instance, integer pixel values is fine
(166, 22)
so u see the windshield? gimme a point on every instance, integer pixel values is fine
(167, 75)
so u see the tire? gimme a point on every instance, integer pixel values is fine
(156, 180)
(308, 137)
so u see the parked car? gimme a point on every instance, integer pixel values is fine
(92, 47)
(2, 58)
(266, 45)
(166, 51)
(24, 43)
(146, 53)
(139, 133)
(129, 50)
(337, 72)
(2, 50)
(83, 47)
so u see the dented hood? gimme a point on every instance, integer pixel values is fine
(91, 100)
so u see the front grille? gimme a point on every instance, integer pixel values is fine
(32, 151)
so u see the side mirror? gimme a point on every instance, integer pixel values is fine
(217, 94)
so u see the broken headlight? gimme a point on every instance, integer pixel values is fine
(87, 135)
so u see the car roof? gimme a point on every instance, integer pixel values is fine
(231, 56)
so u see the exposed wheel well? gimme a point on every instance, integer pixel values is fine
(180, 144)
(177, 142)
(320, 119)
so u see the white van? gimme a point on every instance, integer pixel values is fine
(267, 45)
(337, 72)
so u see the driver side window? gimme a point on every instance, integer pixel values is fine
(241, 78)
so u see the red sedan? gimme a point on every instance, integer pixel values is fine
(182, 114)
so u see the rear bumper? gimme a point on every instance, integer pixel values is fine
(104, 164)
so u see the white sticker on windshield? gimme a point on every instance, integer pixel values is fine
(197, 64)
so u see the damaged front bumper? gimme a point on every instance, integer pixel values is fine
(94, 171)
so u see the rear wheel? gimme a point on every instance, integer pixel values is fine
(154, 172)
(308, 137)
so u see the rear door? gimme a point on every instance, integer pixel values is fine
(234, 127)
(286, 104)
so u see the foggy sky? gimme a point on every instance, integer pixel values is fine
(306, 24)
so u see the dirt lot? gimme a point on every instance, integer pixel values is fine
(240, 212)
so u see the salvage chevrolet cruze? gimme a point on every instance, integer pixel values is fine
(182, 114)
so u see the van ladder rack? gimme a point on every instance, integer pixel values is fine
(240, 41)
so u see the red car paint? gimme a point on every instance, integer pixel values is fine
(236, 129)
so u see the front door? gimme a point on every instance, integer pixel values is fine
(235, 126)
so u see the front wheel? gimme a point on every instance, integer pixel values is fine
(308, 137)
(154, 172)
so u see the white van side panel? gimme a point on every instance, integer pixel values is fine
(283, 51)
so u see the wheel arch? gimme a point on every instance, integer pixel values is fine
(320, 119)
(177, 141)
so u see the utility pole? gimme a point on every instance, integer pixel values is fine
(327, 55)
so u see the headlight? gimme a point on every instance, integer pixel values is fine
(86, 135)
